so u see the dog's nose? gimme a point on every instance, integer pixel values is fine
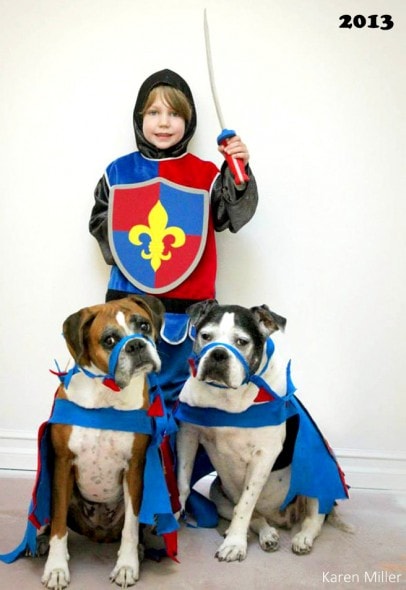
(219, 355)
(134, 346)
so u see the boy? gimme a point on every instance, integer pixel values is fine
(156, 211)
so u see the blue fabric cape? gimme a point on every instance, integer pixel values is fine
(156, 505)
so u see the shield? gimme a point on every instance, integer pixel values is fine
(157, 232)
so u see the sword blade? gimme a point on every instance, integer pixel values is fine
(211, 72)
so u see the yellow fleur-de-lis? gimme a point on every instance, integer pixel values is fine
(157, 231)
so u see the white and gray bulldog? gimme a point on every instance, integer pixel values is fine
(239, 404)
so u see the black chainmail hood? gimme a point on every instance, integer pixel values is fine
(169, 78)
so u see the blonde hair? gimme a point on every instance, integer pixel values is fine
(173, 97)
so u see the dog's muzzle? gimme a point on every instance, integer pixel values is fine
(217, 359)
(250, 377)
(132, 345)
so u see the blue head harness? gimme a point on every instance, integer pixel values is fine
(249, 377)
(108, 378)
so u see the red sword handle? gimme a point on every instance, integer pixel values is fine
(236, 165)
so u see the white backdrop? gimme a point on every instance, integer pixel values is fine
(322, 110)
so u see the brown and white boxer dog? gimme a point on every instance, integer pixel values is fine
(98, 474)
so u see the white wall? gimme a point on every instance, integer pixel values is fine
(322, 110)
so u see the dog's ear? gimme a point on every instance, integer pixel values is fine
(75, 329)
(199, 310)
(153, 306)
(269, 321)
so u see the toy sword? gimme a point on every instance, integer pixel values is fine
(236, 165)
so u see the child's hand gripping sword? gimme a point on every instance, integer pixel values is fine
(236, 165)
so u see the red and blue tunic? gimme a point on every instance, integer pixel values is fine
(162, 200)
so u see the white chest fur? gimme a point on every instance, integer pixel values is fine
(233, 449)
(101, 456)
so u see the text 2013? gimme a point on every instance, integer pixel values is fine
(373, 21)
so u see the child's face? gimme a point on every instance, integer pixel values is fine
(161, 125)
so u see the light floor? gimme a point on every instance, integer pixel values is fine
(374, 557)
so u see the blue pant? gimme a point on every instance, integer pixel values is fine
(174, 348)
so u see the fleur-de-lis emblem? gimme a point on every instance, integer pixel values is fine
(157, 232)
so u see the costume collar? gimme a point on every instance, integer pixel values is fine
(270, 413)
(67, 412)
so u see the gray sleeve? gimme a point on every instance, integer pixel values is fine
(98, 224)
(232, 208)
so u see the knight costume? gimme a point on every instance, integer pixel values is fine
(155, 216)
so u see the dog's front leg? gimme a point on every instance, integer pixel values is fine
(234, 547)
(302, 542)
(127, 569)
(56, 572)
(187, 442)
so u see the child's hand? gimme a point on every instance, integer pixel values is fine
(235, 147)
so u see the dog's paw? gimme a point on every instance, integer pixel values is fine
(56, 579)
(232, 549)
(124, 575)
(302, 543)
(269, 539)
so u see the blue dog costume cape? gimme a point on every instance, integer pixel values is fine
(314, 469)
(156, 507)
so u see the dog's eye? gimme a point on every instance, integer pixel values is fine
(205, 336)
(110, 341)
(145, 327)
(242, 342)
